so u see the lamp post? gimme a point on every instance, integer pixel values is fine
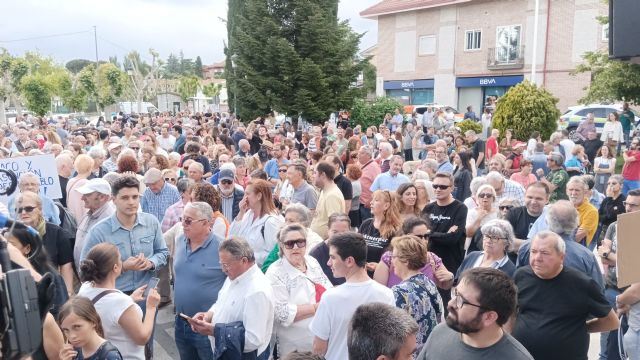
(235, 87)
(130, 73)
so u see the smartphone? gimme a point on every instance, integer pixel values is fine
(151, 285)
(186, 317)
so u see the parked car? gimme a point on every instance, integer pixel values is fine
(572, 118)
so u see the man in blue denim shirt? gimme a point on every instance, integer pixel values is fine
(137, 236)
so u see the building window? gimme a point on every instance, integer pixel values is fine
(472, 40)
(605, 32)
(508, 43)
(411, 96)
(427, 45)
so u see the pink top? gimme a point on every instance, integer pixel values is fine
(523, 180)
(428, 270)
(369, 172)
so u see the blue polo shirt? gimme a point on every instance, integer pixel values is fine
(198, 275)
(386, 181)
(144, 237)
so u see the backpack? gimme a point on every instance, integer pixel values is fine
(67, 221)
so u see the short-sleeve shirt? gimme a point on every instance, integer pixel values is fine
(559, 178)
(305, 195)
(345, 186)
(521, 221)
(558, 308)
(479, 147)
(376, 244)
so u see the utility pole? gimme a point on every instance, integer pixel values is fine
(534, 55)
(95, 42)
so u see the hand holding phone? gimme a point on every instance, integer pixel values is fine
(186, 317)
(151, 285)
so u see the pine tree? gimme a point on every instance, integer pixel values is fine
(172, 67)
(197, 68)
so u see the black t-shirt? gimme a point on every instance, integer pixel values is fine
(376, 244)
(591, 148)
(610, 209)
(449, 246)
(345, 186)
(521, 221)
(321, 253)
(57, 242)
(255, 143)
(478, 147)
(552, 315)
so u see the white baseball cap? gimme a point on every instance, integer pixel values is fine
(95, 185)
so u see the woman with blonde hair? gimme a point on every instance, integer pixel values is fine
(83, 165)
(258, 219)
(384, 224)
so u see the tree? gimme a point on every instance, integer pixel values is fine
(367, 114)
(188, 87)
(526, 108)
(172, 67)
(110, 85)
(142, 76)
(74, 66)
(12, 70)
(197, 68)
(292, 56)
(37, 94)
(212, 90)
(611, 80)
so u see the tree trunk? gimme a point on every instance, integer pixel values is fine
(3, 116)
(139, 98)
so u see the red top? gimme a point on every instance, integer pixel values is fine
(492, 144)
(631, 170)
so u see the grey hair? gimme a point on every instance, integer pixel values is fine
(367, 149)
(501, 229)
(618, 178)
(486, 187)
(282, 234)
(562, 217)
(203, 209)
(111, 177)
(26, 175)
(387, 146)
(198, 165)
(97, 153)
(579, 180)
(560, 245)
(184, 184)
(557, 157)
(494, 176)
(430, 164)
(238, 248)
(301, 210)
(229, 166)
(174, 156)
(238, 161)
(476, 183)
(378, 329)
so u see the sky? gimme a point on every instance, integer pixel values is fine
(168, 26)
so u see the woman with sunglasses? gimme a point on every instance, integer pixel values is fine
(504, 206)
(483, 213)
(378, 230)
(497, 238)
(298, 283)
(434, 269)
(416, 294)
(55, 240)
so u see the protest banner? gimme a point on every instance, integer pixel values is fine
(44, 166)
(628, 268)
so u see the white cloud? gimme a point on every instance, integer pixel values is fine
(195, 26)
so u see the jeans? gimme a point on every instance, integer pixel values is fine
(191, 345)
(628, 185)
(610, 294)
(631, 343)
(148, 348)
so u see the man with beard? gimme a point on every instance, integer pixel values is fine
(483, 302)
(558, 302)
(230, 195)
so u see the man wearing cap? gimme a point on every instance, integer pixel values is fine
(230, 194)
(159, 194)
(96, 194)
(111, 164)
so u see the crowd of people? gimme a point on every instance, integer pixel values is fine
(410, 240)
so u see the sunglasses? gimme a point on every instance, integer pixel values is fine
(299, 243)
(170, 179)
(485, 195)
(134, 148)
(188, 221)
(441, 187)
(282, 170)
(28, 209)
(226, 182)
(505, 207)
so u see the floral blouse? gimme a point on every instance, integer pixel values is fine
(420, 298)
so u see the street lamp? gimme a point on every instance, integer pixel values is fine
(234, 57)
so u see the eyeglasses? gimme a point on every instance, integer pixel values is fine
(492, 239)
(460, 301)
(485, 195)
(299, 243)
(282, 170)
(188, 221)
(441, 187)
(226, 182)
(28, 209)
(170, 179)
(505, 207)
(630, 204)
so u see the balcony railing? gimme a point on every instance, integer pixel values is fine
(505, 58)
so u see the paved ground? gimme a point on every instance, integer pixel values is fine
(165, 346)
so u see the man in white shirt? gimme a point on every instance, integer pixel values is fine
(166, 140)
(246, 296)
(347, 258)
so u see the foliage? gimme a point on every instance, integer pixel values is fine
(611, 80)
(74, 66)
(526, 108)
(188, 87)
(212, 90)
(110, 84)
(37, 94)
(292, 56)
(143, 77)
(469, 124)
(372, 113)
(369, 76)
(197, 68)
